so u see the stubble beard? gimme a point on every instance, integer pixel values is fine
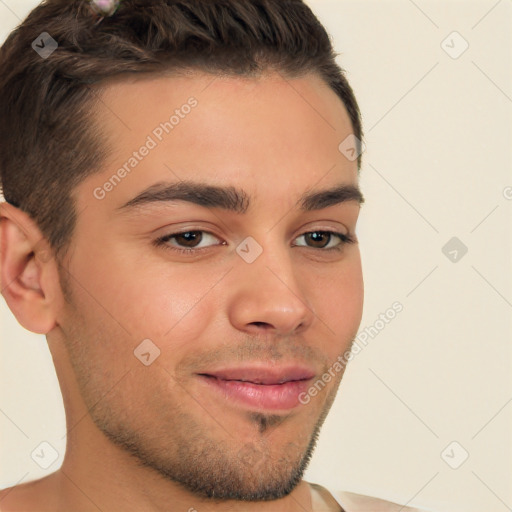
(183, 451)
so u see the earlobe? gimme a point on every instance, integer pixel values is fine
(23, 275)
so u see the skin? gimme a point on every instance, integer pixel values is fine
(274, 138)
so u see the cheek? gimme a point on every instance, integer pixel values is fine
(176, 303)
(152, 300)
(337, 298)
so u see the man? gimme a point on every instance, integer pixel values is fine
(181, 185)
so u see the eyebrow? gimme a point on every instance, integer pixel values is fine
(232, 199)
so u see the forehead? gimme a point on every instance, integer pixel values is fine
(217, 129)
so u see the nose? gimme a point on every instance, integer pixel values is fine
(267, 297)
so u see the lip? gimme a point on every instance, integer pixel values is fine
(275, 388)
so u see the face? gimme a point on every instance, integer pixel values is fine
(206, 290)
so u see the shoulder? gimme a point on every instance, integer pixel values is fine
(29, 496)
(361, 503)
(9, 499)
(352, 502)
(17, 498)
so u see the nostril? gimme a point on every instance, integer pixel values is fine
(260, 324)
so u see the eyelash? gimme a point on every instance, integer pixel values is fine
(162, 242)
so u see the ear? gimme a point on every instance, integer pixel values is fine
(29, 279)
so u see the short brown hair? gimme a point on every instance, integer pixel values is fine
(48, 141)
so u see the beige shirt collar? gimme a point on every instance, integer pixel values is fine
(323, 501)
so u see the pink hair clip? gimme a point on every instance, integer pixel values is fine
(104, 8)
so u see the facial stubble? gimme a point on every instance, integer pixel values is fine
(181, 449)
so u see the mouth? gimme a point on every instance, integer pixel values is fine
(260, 387)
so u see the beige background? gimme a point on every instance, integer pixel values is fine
(437, 166)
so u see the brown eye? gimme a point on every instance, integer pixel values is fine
(188, 242)
(189, 239)
(319, 238)
(322, 240)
